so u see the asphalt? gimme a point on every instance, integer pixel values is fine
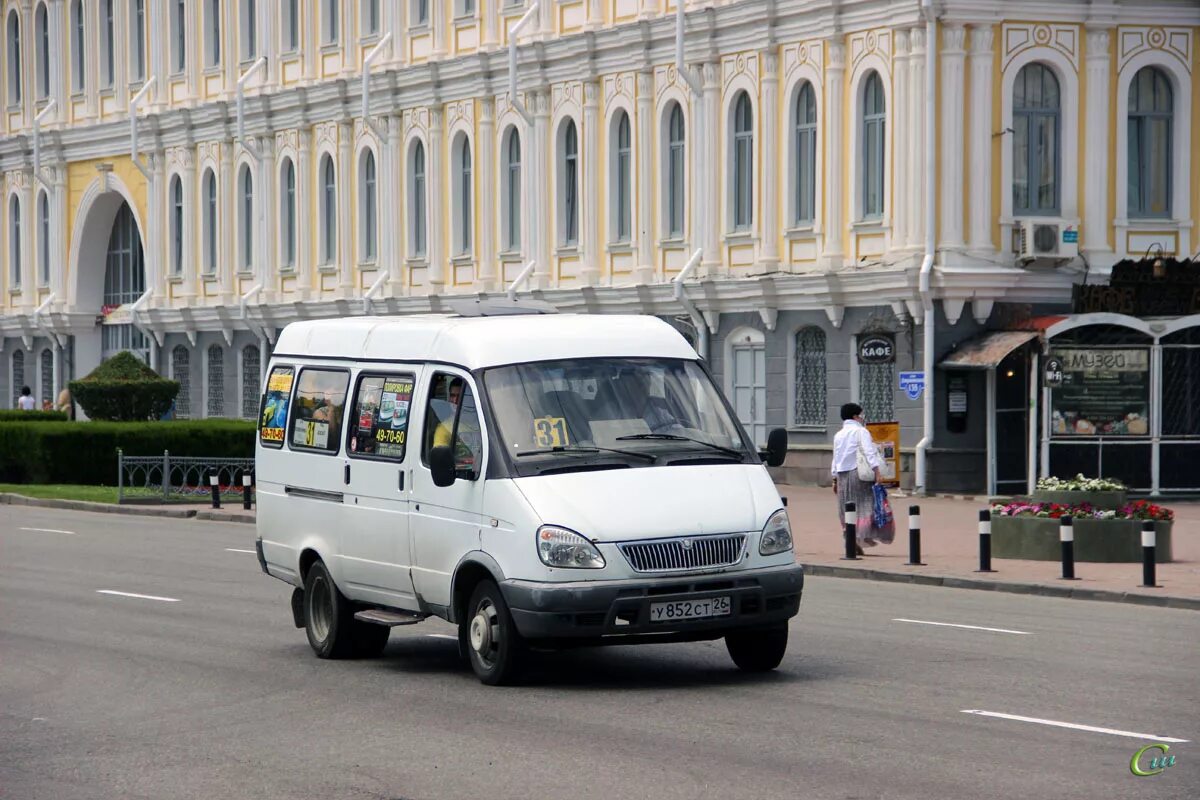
(218, 695)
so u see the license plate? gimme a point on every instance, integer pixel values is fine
(690, 609)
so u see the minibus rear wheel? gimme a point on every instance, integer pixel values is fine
(758, 650)
(494, 647)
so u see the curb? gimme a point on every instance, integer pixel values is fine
(1160, 601)
(112, 508)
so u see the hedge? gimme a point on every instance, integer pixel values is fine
(86, 452)
(12, 415)
(124, 389)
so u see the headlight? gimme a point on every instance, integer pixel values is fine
(776, 536)
(559, 547)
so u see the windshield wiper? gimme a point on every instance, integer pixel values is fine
(576, 450)
(671, 437)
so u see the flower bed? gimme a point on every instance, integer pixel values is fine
(1100, 493)
(1029, 530)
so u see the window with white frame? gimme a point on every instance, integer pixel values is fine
(210, 222)
(109, 65)
(568, 185)
(251, 366)
(675, 204)
(368, 204)
(804, 155)
(810, 368)
(288, 248)
(179, 36)
(137, 35)
(464, 8)
(246, 217)
(743, 163)
(176, 225)
(330, 10)
(370, 17)
(874, 121)
(181, 359)
(290, 30)
(1037, 130)
(14, 242)
(621, 165)
(212, 33)
(462, 195)
(43, 248)
(328, 212)
(14, 58)
(511, 176)
(78, 48)
(215, 407)
(1150, 125)
(249, 30)
(41, 37)
(420, 13)
(417, 201)
(18, 374)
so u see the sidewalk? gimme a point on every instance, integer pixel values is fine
(950, 550)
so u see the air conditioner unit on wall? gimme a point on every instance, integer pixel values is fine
(1046, 239)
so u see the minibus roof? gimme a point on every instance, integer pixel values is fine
(480, 342)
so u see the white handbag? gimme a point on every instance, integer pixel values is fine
(865, 471)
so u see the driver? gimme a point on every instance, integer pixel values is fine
(655, 410)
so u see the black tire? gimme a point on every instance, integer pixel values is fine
(328, 615)
(758, 650)
(494, 647)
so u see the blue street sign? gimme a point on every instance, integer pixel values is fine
(913, 383)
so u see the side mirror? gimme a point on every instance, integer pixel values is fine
(441, 464)
(777, 446)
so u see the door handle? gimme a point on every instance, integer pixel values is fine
(401, 486)
(347, 475)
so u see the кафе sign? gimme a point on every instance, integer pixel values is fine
(1134, 290)
(1099, 391)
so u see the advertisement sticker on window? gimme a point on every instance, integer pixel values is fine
(275, 405)
(1103, 392)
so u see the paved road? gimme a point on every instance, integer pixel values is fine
(218, 696)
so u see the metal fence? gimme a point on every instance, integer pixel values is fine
(168, 478)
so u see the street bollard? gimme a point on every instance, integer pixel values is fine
(985, 541)
(851, 539)
(216, 490)
(1149, 554)
(914, 536)
(1066, 535)
(246, 478)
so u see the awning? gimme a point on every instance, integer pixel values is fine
(987, 350)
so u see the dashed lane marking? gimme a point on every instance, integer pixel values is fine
(138, 596)
(1074, 726)
(956, 625)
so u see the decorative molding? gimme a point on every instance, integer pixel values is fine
(570, 93)
(289, 139)
(326, 134)
(809, 54)
(954, 37)
(179, 158)
(982, 39)
(1019, 37)
(666, 77)
(1176, 42)
(874, 42)
(416, 120)
(460, 111)
(621, 84)
(739, 64)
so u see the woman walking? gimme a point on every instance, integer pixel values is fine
(855, 469)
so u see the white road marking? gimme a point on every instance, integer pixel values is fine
(441, 636)
(138, 596)
(47, 530)
(955, 625)
(235, 550)
(1073, 726)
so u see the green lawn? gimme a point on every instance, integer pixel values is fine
(96, 494)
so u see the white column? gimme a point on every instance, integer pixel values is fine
(901, 174)
(698, 171)
(647, 9)
(437, 26)
(391, 213)
(347, 234)
(981, 140)
(59, 89)
(540, 234)
(645, 177)
(310, 21)
(486, 190)
(490, 27)
(590, 248)
(546, 10)
(121, 54)
(346, 31)
(191, 214)
(710, 164)
(951, 102)
(304, 213)
(835, 207)
(916, 141)
(770, 156)
(58, 244)
(265, 214)
(595, 14)
(437, 205)
(1095, 181)
(156, 263)
(29, 239)
(227, 239)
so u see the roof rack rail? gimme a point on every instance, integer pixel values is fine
(499, 307)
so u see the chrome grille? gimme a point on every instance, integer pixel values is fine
(684, 553)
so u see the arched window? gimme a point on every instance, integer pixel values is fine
(41, 36)
(43, 253)
(328, 212)
(462, 195)
(18, 374)
(621, 205)
(291, 26)
(179, 17)
(288, 254)
(675, 203)
(124, 283)
(1151, 119)
(874, 121)
(330, 21)
(810, 405)
(249, 29)
(1036, 165)
(213, 33)
(416, 201)
(743, 163)
(251, 365)
(511, 208)
(568, 185)
(137, 32)
(805, 155)
(14, 58)
(79, 48)
(215, 391)
(176, 225)
(246, 217)
(210, 222)
(14, 242)
(367, 214)
(110, 58)
(181, 371)
(46, 378)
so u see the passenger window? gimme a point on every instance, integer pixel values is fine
(318, 407)
(272, 419)
(452, 418)
(378, 426)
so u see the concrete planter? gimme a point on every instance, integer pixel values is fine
(1103, 501)
(1096, 540)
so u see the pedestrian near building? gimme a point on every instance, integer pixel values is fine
(26, 402)
(856, 469)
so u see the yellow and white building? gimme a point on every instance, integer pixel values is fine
(784, 144)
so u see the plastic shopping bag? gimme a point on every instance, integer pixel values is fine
(882, 518)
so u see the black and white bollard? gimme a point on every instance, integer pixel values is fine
(246, 479)
(1149, 554)
(985, 540)
(1066, 535)
(914, 536)
(849, 521)
(216, 489)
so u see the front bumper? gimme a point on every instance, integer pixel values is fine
(618, 612)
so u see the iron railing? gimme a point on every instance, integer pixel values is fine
(168, 478)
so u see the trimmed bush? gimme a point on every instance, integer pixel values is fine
(86, 452)
(124, 389)
(10, 415)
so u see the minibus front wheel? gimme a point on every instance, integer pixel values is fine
(758, 650)
(494, 647)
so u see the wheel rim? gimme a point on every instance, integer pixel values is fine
(485, 632)
(320, 610)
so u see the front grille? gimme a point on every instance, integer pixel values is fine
(685, 553)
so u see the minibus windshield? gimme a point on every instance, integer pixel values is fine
(558, 415)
